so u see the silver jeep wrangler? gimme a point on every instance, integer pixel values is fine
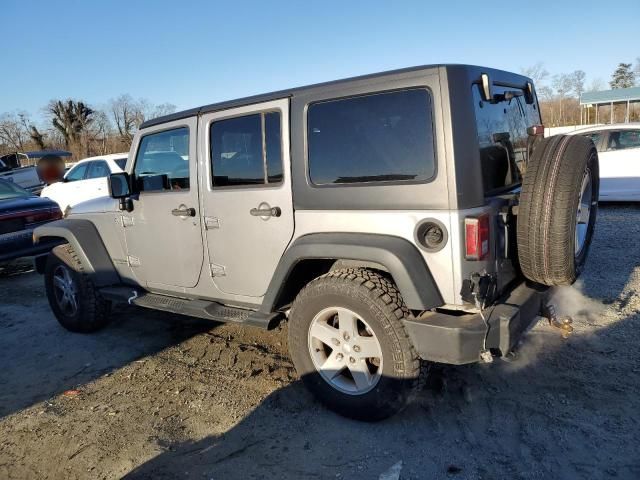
(413, 215)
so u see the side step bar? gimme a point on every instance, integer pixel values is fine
(193, 308)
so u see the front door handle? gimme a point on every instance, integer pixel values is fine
(183, 212)
(266, 212)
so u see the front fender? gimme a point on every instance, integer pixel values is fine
(85, 239)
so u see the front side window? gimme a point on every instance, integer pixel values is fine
(98, 169)
(163, 154)
(384, 137)
(77, 172)
(247, 150)
(502, 135)
(623, 139)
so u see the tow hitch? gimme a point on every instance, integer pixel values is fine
(562, 323)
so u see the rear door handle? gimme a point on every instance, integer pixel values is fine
(266, 212)
(183, 212)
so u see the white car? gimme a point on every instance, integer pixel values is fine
(87, 179)
(618, 148)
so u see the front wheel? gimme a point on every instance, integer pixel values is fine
(349, 346)
(73, 298)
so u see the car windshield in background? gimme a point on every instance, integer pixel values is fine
(121, 162)
(502, 137)
(9, 190)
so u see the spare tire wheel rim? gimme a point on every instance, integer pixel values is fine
(65, 291)
(583, 213)
(345, 351)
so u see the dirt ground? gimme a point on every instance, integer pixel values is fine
(160, 396)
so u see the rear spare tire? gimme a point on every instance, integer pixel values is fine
(557, 211)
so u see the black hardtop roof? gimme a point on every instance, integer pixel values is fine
(265, 97)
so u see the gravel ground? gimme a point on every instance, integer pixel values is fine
(160, 396)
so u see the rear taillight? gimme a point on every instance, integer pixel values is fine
(476, 234)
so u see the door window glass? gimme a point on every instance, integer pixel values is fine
(77, 172)
(273, 146)
(247, 150)
(373, 138)
(623, 139)
(163, 154)
(98, 169)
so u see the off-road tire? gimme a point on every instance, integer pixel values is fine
(376, 300)
(551, 191)
(93, 310)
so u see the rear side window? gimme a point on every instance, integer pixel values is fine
(77, 172)
(502, 136)
(163, 153)
(384, 137)
(247, 150)
(623, 139)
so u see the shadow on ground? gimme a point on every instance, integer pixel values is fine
(34, 340)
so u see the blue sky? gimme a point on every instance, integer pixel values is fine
(190, 53)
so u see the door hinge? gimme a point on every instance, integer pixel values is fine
(126, 221)
(133, 261)
(211, 222)
(217, 270)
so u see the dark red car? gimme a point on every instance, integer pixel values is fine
(20, 212)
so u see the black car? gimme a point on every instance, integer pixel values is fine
(20, 212)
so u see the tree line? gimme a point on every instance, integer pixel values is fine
(77, 127)
(85, 131)
(559, 95)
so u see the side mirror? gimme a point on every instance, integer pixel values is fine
(119, 186)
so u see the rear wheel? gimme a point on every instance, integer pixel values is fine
(349, 345)
(73, 298)
(558, 207)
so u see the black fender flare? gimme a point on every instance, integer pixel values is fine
(85, 239)
(400, 257)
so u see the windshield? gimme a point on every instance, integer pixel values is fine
(121, 162)
(9, 190)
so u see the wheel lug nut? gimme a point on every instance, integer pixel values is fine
(335, 341)
(356, 348)
(339, 356)
(352, 360)
(345, 336)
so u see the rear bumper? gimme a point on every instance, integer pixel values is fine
(20, 244)
(457, 340)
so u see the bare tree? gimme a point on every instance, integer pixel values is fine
(128, 114)
(577, 82)
(12, 132)
(562, 85)
(38, 137)
(72, 119)
(536, 72)
(596, 85)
